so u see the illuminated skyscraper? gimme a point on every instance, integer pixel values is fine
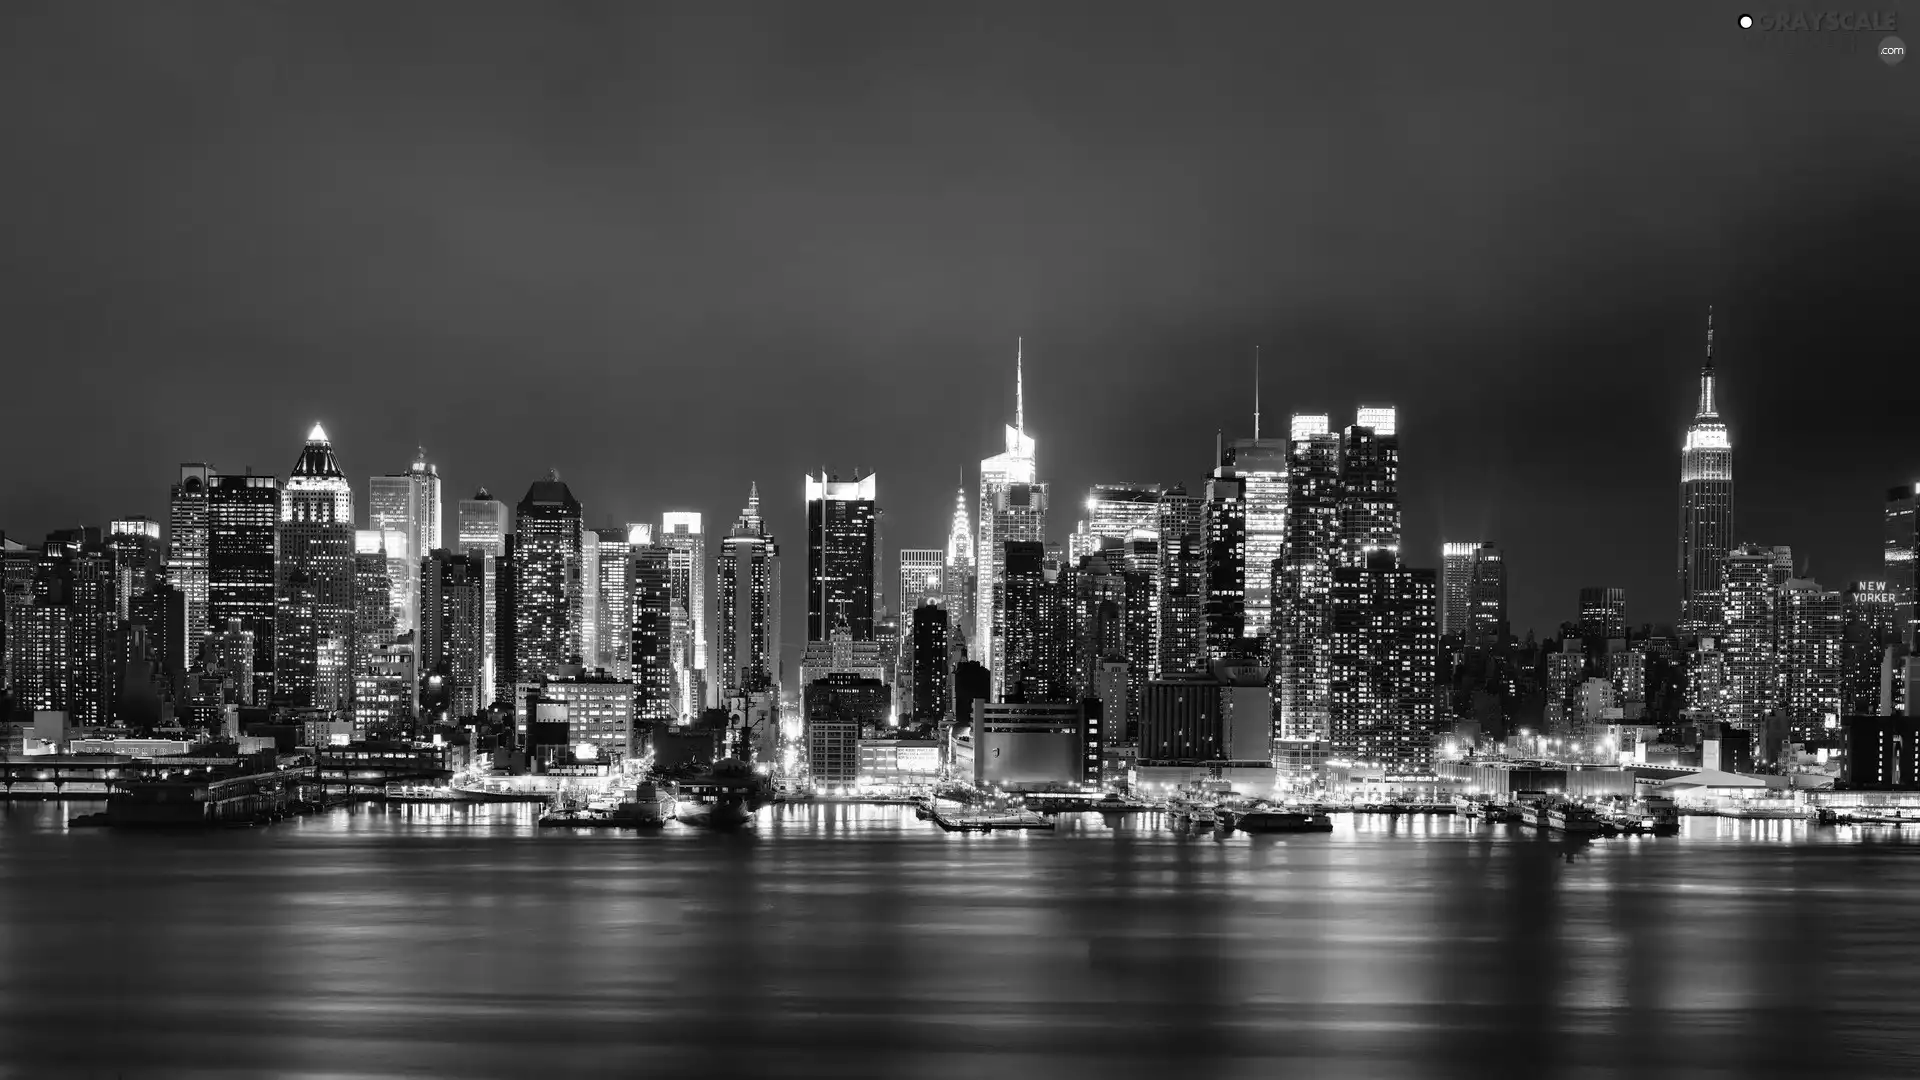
(1811, 620)
(1603, 613)
(923, 577)
(651, 582)
(135, 546)
(1180, 636)
(1870, 613)
(961, 585)
(614, 617)
(410, 503)
(840, 544)
(1036, 609)
(452, 623)
(372, 599)
(1013, 506)
(187, 553)
(1706, 507)
(686, 543)
(1224, 520)
(1303, 586)
(1369, 486)
(485, 523)
(313, 618)
(1261, 466)
(1384, 663)
(590, 602)
(749, 583)
(1748, 593)
(1473, 594)
(547, 587)
(1902, 553)
(243, 514)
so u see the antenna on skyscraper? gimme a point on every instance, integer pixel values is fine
(1019, 385)
(1710, 338)
(1256, 393)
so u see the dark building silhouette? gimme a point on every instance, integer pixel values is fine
(452, 638)
(242, 514)
(548, 587)
(651, 583)
(842, 523)
(931, 682)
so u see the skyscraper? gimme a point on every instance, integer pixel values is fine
(614, 599)
(1383, 663)
(1603, 613)
(1013, 506)
(1036, 616)
(1747, 592)
(961, 586)
(373, 609)
(651, 583)
(1870, 616)
(452, 624)
(1225, 525)
(410, 503)
(1303, 585)
(1811, 620)
(686, 544)
(1261, 465)
(923, 577)
(1370, 485)
(749, 583)
(313, 617)
(1902, 554)
(187, 553)
(1473, 607)
(1180, 636)
(547, 588)
(137, 554)
(840, 556)
(932, 691)
(1706, 507)
(485, 523)
(243, 513)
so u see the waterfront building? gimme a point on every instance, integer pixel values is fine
(452, 628)
(1303, 584)
(682, 534)
(1013, 507)
(547, 586)
(841, 541)
(187, 539)
(1029, 746)
(1883, 753)
(1747, 591)
(838, 708)
(1383, 663)
(651, 582)
(1870, 625)
(749, 585)
(1706, 507)
(243, 515)
(1902, 558)
(599, 711)
(384, 691)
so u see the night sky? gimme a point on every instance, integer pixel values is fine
(670, 249)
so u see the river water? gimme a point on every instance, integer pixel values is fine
(839, 941)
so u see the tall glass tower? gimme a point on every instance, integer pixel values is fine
(314, 582)
(1706, 507)
(187, 554)
(1013, 506)
(749, 581)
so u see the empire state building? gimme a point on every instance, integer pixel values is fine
(1706, 507)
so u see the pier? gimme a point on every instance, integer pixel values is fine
(955, 817)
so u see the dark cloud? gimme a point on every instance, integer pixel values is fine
(671, 249)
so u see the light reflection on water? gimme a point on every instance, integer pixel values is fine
(837, 941)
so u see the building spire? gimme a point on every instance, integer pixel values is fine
(1019, 385)
(1256, 393)
(1709, 337)
(1707, 407)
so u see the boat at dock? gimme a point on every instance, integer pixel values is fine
(1271, 819)
(724, 796)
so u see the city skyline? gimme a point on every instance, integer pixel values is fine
(1541, 364)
